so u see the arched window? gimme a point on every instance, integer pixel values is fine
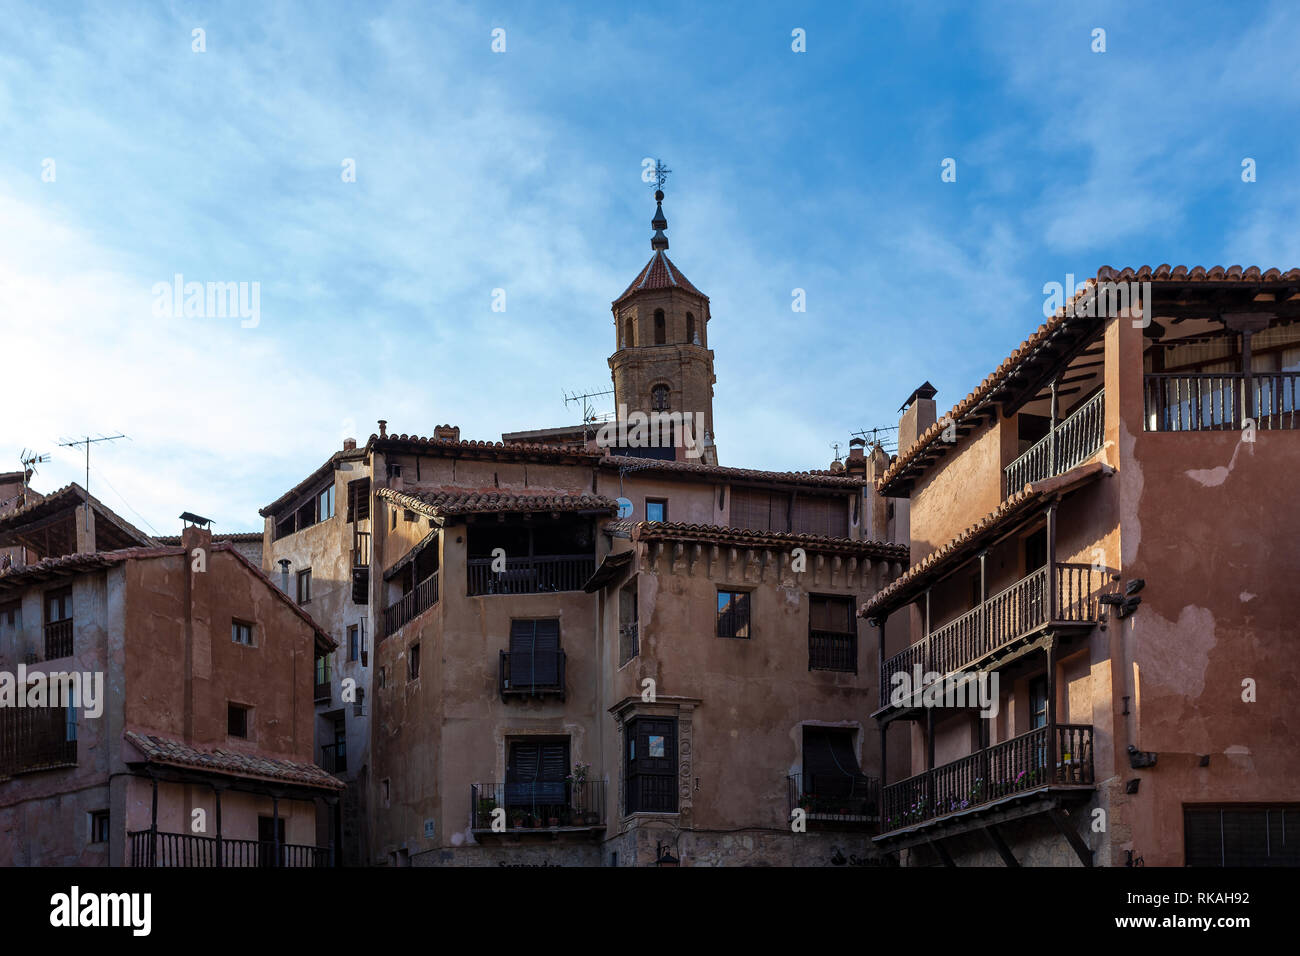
(690, 328)
(627, 332)
(661, 330)
(659, 398)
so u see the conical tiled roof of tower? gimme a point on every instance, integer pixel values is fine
(659, 272)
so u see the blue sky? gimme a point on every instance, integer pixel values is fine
(521, 170)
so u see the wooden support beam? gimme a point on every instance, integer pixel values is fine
(941, 852)
(1062, 821)
(1004, 851)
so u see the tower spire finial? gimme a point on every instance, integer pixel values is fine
(659, 241)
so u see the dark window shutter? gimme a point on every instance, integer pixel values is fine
(534, 653)
(359, 499)
(830, 767)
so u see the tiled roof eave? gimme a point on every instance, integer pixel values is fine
(745, 538)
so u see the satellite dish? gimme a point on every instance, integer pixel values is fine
(625, 508)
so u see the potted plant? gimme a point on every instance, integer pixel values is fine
(484, 811)
(552, 821)
(517, 819)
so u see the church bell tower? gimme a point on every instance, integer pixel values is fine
(662, 361)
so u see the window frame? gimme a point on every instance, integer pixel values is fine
(735, 594)
(235, 625)
(246, 713)
(304, 575)
(662, 503)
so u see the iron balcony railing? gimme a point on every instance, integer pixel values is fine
(35, 738)
(58, 639)
(1018, 765)
(833, 651)
(334, 758)
(531, 674)
(1006, 616)
(538, 805)
(535, 575)
(1076, 438)
(835, 798)
(1220, 401)
(411, 605)
(149, 849)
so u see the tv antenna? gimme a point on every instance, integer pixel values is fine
(589, 415)
(30, 460)
(836, 446)
(873, 436)
(88, 441)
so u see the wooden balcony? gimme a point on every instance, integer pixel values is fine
(411, 605)
(1074, 440)
(1220, 401)
(541, 806)
(1007, 770)
(539, 574)
(58, 639)
(151, 849)
(33, 739)
(833, 651)
(1006, 618)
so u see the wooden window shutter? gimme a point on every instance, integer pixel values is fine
(359, 499)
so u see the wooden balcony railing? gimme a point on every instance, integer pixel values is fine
(34, 738)
(835, 799)
(541, 805)
(533, 674)
(535, 575)
(58, 639)
(1006, 616)
(833, 651)
(1014, 766)
(411, 604)
(1220, 401)
(152, 849)
(1076, 439)
(334, 758)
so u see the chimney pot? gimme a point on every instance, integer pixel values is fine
(383, 428)
(349, 444)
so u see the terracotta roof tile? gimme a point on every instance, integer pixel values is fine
(71, 494)
(660, 273)
(745, 538)
(445, 502)
(825, 478)
(173, 753)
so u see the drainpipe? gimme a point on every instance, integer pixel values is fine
(1051, 435)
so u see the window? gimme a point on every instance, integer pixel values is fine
(1242, 835)
(1037, 703)
(832, 634)
(354, 642)
(99, 826)
(394, 470)
(733, 613)
(650, 762)
(324, 672)
(237, 720)
(535, 777)
(627, 333)
(534, 654)
(393, 526)
(690, 329)
(656, 509)
(1036, 550)
(58, 606)
(325, 503)
(661, 328)
(831, 778)
(413, 663)
(408, 515)
(241, 632)
(359, 499)
(11, 614)
(304, 586)
(629, 644)
(659, 401)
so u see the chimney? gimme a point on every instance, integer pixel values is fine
(447, 432)
(918, 415)
(284, 575)
(856, 463)
(349, 444)
(383, 428)
(193, 536)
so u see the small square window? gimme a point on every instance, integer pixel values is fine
(237, 720)
(656, 509)
(241, 632)
(99, 826)
(413, 662)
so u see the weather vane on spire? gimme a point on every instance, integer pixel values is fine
(660, 174)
